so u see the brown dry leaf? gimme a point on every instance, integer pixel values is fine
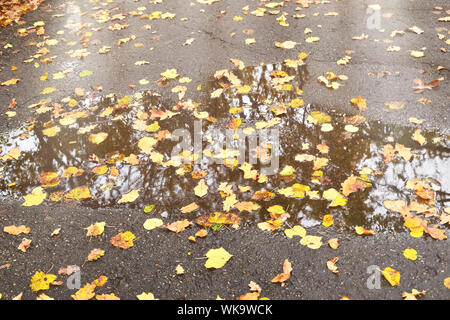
(87, 292)
(331, 265)
(201, 233)
(395, 105)
(110, 296)
(18, 297)
(250, 296)
(353, 184)
(123, 240)
(254, 287)
(436, 233)
(333, 243)
(189, 208)
(95, 254)
(247, 206)
(413, 294)
(79, 92)
(282, 277)
(24, 245)
(14, 153)
(178, 226)
(67, 271)
(95, 229)
(323, 148)
(264, 195)
(421, 86)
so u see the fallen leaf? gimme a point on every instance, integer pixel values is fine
(152, 223)
(95, 254)
(217, 258)
(41, 281)
(392, 276)
(15, 231)
(178, 226)
(36, 197)
(24, 245)
(282, 277)
(129, 197)
(123, 240)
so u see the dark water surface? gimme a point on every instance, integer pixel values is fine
(349, 153)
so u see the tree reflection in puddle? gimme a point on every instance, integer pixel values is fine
(348, 154)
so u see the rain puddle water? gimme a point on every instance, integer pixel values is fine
(169, 191)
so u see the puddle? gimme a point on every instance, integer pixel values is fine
(169, 191)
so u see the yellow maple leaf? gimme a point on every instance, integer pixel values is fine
(276, 209)
(95, 229)
(87, 292)
(335, 197)
(79, 193)
(295, 231)
(392, 276)
(36, 197)
(170, 74)
(410, 254)
(359, 102)
(41, 281)
(100, 169)
(146, 144)
(318, 117)
(287, 171)
(312, 242)
(201, 189)
(217, 258)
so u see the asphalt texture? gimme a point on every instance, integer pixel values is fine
(149, 266)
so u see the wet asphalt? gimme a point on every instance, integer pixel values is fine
(375, 74)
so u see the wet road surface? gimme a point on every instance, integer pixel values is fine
(56, 134)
